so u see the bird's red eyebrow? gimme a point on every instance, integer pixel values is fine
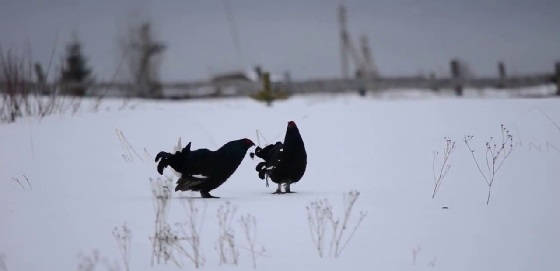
(248, 141)
(291, 123)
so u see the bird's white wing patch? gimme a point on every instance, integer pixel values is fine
(200, 176)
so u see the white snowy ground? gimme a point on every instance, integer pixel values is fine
(82, 187)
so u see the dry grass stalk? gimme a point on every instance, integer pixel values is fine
(441, 170)
(320, 215)
(226, 246)
(495, 154)
(249, 225)
(123, 237)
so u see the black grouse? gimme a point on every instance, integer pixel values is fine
(284, 163)
(204, 170)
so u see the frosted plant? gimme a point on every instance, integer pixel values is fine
(189, 232)
(495, 154)
(129, 150)
(249, 225)
(24, 185)
(165, 239)
(320, 215)
(226, 246)
(441, 168)
(123, 237)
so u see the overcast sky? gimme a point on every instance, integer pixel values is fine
(406, 36)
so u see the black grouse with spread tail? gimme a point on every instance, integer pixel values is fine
(284, 163)
(204, 170)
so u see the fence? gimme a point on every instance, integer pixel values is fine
(233, 88)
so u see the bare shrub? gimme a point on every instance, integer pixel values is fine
(22, 95)
(165, 244)
(164, 239)
(16, 77)
(123, 237)
(320, 215)
(226, 247)
(190, 232)
(24, 185)
(168, 243)
(129, 152)
(339, 230)
(495, 154)
(441, 168)
(249, 225)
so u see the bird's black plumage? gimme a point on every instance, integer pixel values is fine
(204, 170)
(284, 163)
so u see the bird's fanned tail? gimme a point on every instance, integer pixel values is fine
(270, 155)
(165, 159)
(164, 162)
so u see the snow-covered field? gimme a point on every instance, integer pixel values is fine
(83, 182)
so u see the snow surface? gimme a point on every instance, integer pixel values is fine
(84, 182)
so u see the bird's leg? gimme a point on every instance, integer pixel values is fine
(278, 190)
(288, 188)
(206, 195)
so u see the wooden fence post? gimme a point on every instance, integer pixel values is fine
(456, 77)
(502, 74)
(433, 84)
